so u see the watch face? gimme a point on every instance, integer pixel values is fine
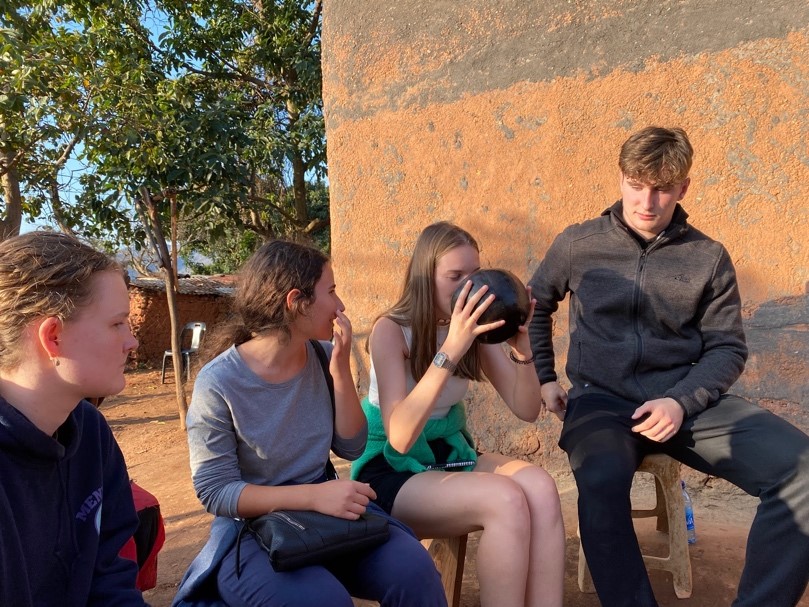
(442, 361)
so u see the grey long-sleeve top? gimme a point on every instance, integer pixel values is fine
(243, 430)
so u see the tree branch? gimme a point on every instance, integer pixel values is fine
(142, 204)
(268, 202)
(313, 24)
(7, 165)
(69, 149)
(315, 225)
(237, 75)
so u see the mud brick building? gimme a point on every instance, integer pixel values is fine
(201, 298)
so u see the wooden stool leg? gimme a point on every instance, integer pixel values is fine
(679, 559)
(449, 554)
(660, 508)
(667, 480)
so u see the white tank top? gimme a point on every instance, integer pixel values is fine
(453, 392)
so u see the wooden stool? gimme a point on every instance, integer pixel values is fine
(670, 513)
(449, 554)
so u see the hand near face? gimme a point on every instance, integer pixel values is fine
(665, 416)
(342, 339)
(463, 326)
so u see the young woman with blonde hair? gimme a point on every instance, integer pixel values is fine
(65, 499)
(423, 356)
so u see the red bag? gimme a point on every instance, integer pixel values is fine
(148, 539)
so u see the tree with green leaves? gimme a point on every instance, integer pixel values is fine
(185, 119)
(268, 56)
(45, 108)
(215, 65)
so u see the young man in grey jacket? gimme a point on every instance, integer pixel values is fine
(656, 340)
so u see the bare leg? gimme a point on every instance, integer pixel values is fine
(437, 504)
(546, 570)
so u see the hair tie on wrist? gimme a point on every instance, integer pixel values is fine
(521, 362)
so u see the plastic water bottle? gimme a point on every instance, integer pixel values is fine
(689, 516)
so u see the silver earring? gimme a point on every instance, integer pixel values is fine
(55, 361)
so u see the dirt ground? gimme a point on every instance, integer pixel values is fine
(145, 421)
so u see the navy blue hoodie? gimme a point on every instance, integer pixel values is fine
(65, 512)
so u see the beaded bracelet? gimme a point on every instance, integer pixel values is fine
(521, 362)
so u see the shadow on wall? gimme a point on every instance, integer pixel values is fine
(776, 371)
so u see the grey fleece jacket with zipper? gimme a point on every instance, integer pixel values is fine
(645, 323)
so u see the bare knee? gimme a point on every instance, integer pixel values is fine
(506, 506)
(540, 491)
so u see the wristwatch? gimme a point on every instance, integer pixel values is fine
(442, 361)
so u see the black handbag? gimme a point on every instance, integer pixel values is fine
(297, 538)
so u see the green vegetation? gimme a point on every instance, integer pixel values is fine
(121, 117)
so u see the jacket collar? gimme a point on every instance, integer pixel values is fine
(677, 227)
(19, 436)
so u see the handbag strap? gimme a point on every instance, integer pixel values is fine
(331, 473)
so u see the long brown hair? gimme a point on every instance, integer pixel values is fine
(416, 305)
(259, 304)
(43, 274)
